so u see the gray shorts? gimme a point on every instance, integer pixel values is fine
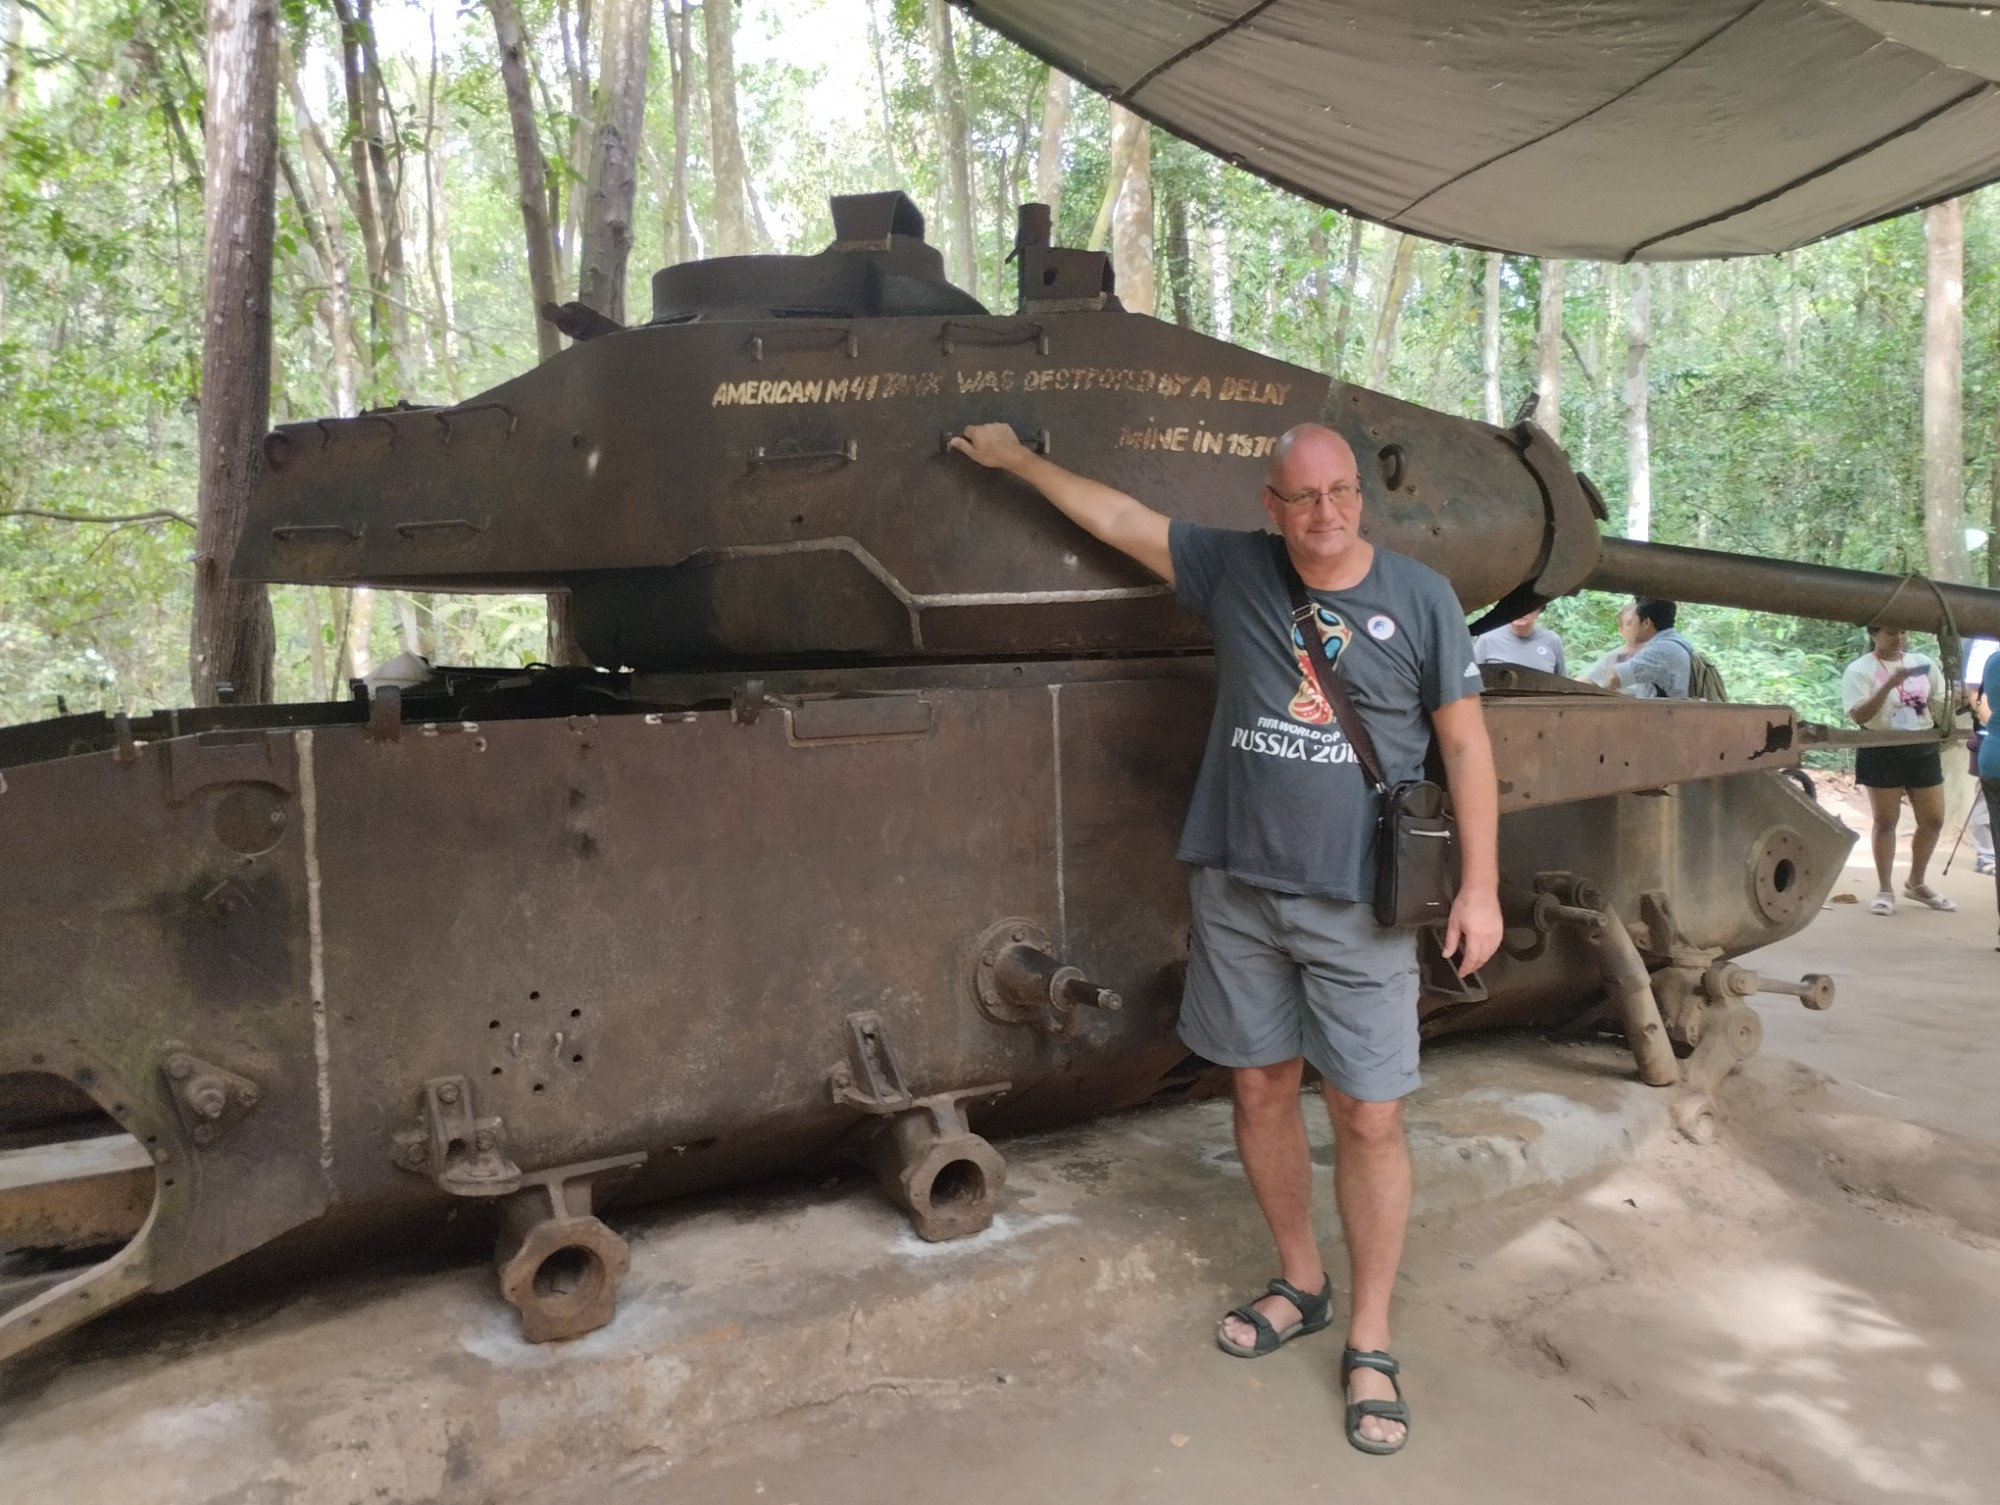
(1273, 976)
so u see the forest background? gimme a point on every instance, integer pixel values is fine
(1776, 405)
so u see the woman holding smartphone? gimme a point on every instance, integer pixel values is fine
(1890, 689)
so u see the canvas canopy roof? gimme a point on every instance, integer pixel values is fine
(1614, 129)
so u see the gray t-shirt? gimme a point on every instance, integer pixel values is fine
(1281, 801)
(1540, 649)
(1659, 668)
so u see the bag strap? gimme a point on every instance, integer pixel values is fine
(1344, 711)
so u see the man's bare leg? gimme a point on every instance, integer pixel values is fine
(1271, 1138)
(1371, 1181)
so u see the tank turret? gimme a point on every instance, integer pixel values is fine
(758, 474)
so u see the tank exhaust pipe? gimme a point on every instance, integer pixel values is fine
(1578, 902)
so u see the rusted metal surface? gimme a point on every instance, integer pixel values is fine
(74, 1193)
(647, 934)
(872, 856)
(1552, 749)
(736, 484)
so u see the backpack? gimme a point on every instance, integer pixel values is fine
(1704, 679)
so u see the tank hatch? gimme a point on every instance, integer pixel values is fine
(878, 267)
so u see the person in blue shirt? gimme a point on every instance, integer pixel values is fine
(1989, 756)
(1662, 661)
(1978, 652)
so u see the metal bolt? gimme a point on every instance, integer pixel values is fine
(448, 1093)
(204, 1133)
(207, 1098)
(1020, 934)
(483, 1140)
(180, 1068)
(247, 1096)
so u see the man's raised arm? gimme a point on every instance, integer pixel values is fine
(1104, 512)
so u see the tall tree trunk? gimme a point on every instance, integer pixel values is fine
(331, 231)
(955, 145)
(1944, 340)
(1489, 340)
(877, 53)
(10, 44)
(531, 170)
(1221, 280)
(1638, 418)
(1132, 218)
(437, 230)
(343, 652)
(409, 631)
(574, 27)
(331, 304)
(1549, 347)
(1350, 273)
(725, 151)
(1321, 283)
(680, 237)
(232, 637)
(1178, 254)
(360, 632)
(1049, 160)
(365, 192)
(532, 185)
(625, 35)
(378, 112)
(1384, 349)
(1114, 180)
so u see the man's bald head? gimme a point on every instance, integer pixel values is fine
(1312, 494)
(1307, 449)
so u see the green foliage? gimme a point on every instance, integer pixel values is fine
(1784, 391)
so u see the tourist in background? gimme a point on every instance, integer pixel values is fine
(1978, 655)
(1989, 754)
(1661, 664)
(1599, 673)
(1892, 689)
(1524, 643)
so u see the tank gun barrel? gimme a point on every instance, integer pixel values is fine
(1798, 590)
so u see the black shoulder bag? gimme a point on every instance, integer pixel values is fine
(1416, 839)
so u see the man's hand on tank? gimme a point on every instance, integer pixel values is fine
(994, 445)
(1472, 934)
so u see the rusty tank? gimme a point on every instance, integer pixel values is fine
(857, 839)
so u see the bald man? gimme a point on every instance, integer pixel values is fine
(1286, 963)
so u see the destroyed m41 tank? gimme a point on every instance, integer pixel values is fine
(860, 837)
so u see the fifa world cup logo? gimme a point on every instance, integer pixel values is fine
(1308, 705)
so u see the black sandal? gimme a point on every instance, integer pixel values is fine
(1358, 1411)
(1315, 1312)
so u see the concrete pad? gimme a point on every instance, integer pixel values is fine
(771, 1303)
(1730, 1323)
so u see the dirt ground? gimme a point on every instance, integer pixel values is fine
(1807, 1310)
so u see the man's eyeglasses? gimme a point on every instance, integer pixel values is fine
(1346, 494)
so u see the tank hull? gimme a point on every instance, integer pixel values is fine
(651, 934)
